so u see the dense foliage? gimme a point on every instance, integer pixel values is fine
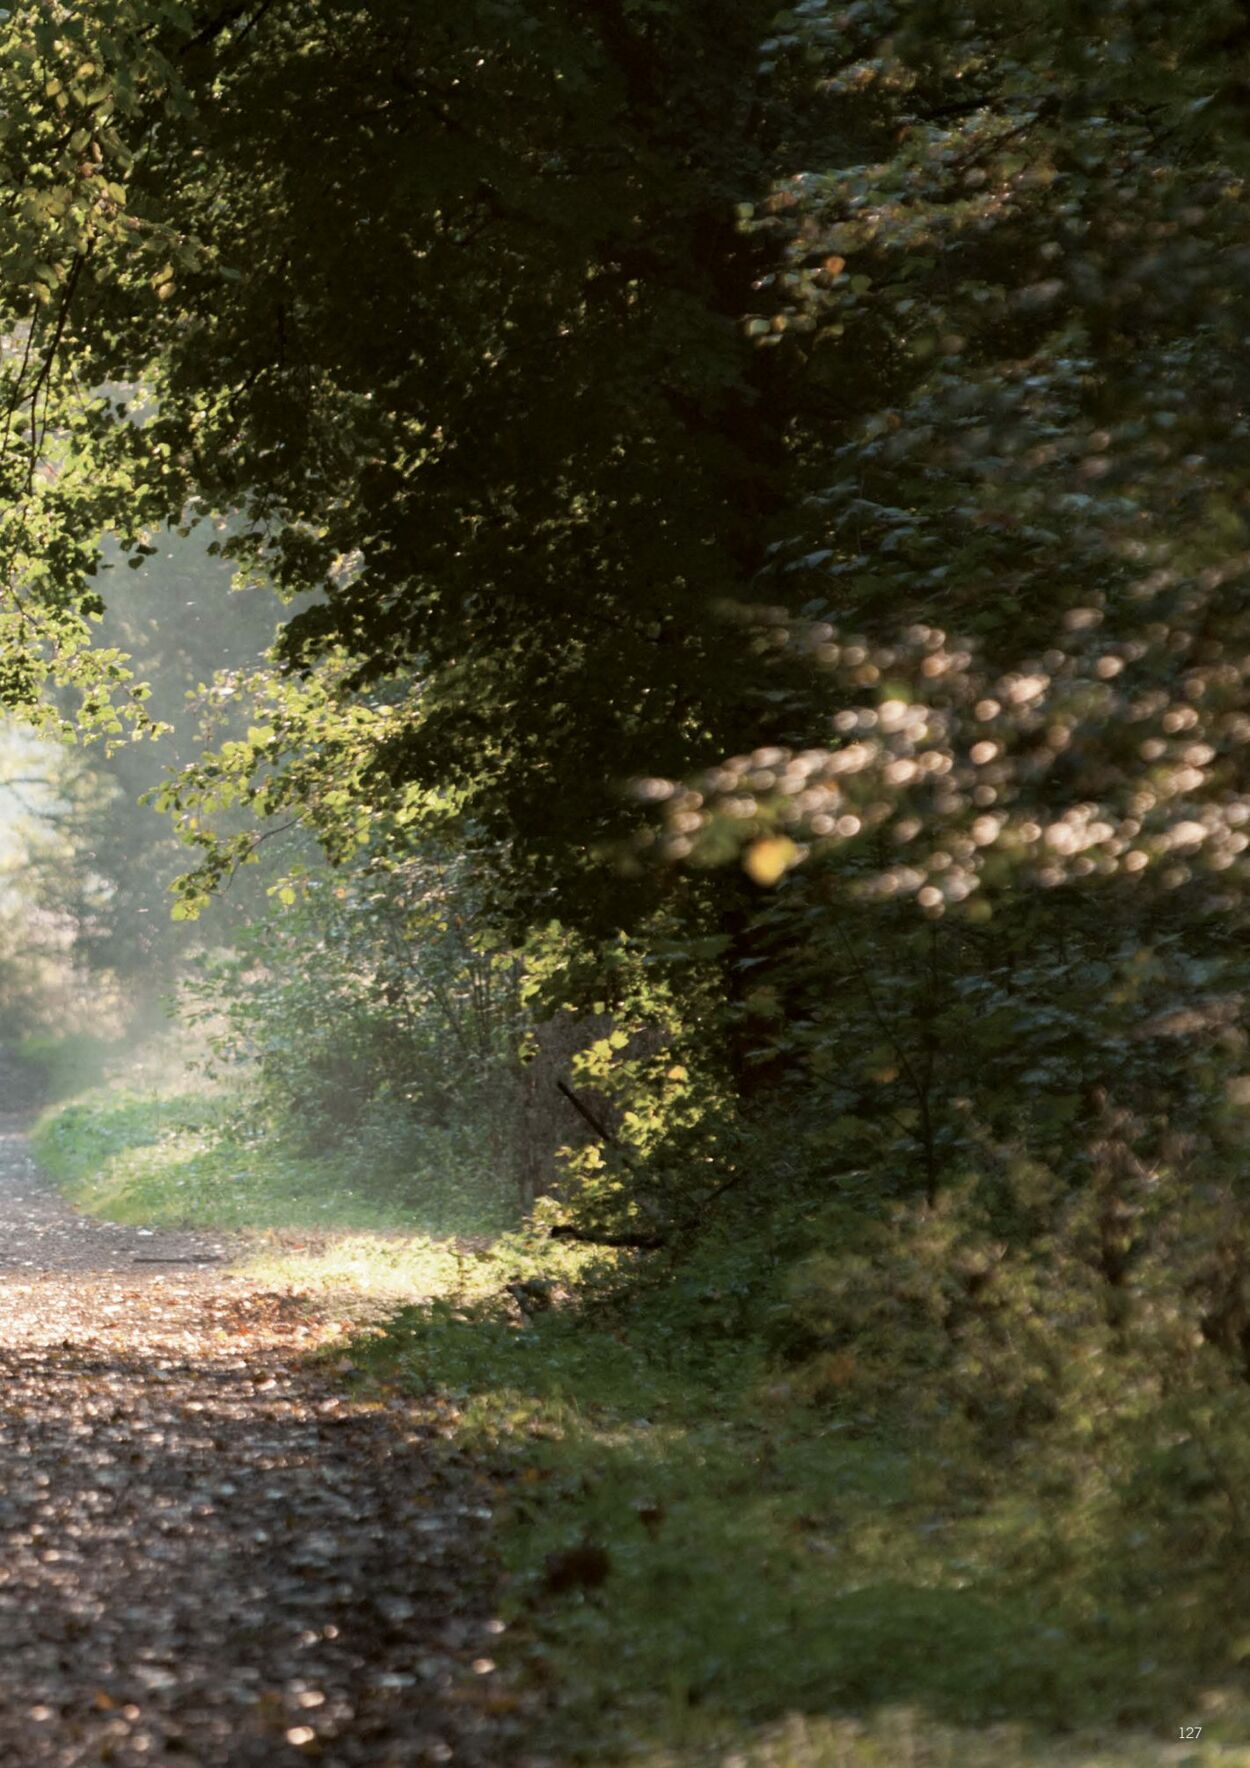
(371, 1015)
(762, 503)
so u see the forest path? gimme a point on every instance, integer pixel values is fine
(210, 1553)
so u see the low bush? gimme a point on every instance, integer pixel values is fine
(364, 1019)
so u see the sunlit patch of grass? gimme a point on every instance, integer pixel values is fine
(177, 1159)
(383, 1267)
(172, 1161)
(366, 1277)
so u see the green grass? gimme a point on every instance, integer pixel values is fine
(174, 1161)
(172, 1155)
(169, 1153)
(785, 1586)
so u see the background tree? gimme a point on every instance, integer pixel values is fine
(907, 323)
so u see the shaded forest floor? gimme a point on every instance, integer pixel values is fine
(288, 1513)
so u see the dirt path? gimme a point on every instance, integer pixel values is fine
(208, 1553)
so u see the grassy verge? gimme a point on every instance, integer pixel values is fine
(150, 1147)
(700, 1568)
(699, 1576)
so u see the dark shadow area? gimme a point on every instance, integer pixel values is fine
(697, 1563)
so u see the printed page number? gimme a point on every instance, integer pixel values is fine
(1190, 1733)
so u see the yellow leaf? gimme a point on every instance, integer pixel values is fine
(768, 858)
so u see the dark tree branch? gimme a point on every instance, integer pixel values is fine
(43, 380)
(222, 21)
(643, 1242)
(587, 1113)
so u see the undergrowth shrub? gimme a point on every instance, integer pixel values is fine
(371, 1015)
(1107, 1400)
